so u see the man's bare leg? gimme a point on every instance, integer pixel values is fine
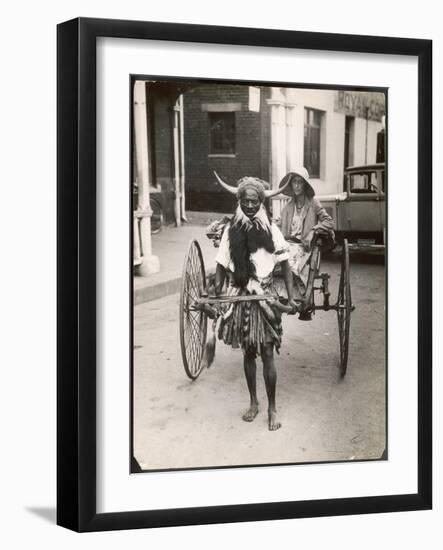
(250, 368)
(270, 376)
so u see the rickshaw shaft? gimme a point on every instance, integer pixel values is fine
(224, 299)
(205, 303)
(335, 307)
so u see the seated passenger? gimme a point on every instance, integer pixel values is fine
(302, 216)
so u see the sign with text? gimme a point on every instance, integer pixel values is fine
(370, 105)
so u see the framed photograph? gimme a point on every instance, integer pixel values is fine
(244, 274)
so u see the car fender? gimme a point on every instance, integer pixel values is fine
(331, 203)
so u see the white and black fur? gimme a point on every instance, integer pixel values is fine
(246, 236)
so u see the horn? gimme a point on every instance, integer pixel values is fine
(229, 188)
(272, 192)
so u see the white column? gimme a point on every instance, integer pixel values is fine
(182, 160)
(150, 264)
(177, 200)
(291, 137)
(278, 142)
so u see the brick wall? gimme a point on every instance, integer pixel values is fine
(252, 150)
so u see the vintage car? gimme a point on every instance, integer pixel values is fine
(359, 212)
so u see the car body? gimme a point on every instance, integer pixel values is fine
(359, 212)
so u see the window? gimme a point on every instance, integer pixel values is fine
(311, 157)
(221, 133)
(364, 183)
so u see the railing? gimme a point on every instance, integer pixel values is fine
(278, 203)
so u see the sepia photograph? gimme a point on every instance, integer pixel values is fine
(259, 311)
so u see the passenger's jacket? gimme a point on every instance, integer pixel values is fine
(314, 217)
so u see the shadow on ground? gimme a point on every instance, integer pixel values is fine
(48, 514)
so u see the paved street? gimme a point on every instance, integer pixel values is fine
(179, 423)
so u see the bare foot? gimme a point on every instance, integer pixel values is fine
(251, 413)
(273, 424)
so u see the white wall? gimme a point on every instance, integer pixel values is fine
(332, 138)
(335, 151)
(322, 100)
(28, 275)
(359, 139)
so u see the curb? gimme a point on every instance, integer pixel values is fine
(160, 290)
(154, 292)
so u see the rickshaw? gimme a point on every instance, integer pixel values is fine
(197, 305)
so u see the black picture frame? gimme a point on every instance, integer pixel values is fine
(76, 277)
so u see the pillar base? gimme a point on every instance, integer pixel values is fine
(149, 266)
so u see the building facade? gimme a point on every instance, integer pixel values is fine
(184, 131)
(226, 129)
(266, 132)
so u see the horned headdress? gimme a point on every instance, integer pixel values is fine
(260, 186)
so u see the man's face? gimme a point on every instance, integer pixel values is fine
(298, 185)
(250, 202)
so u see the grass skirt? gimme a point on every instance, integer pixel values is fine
(249, 325)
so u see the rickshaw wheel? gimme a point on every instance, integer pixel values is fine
(193, 323)
(344, 308)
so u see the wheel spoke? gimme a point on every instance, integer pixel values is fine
(191, 348)
(193, 333)
(196, 320)
(196, 329)
(192, 297)
(194, 337)
(191, 285)
(191, 352)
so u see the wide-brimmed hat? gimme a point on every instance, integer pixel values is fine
(303, 173)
